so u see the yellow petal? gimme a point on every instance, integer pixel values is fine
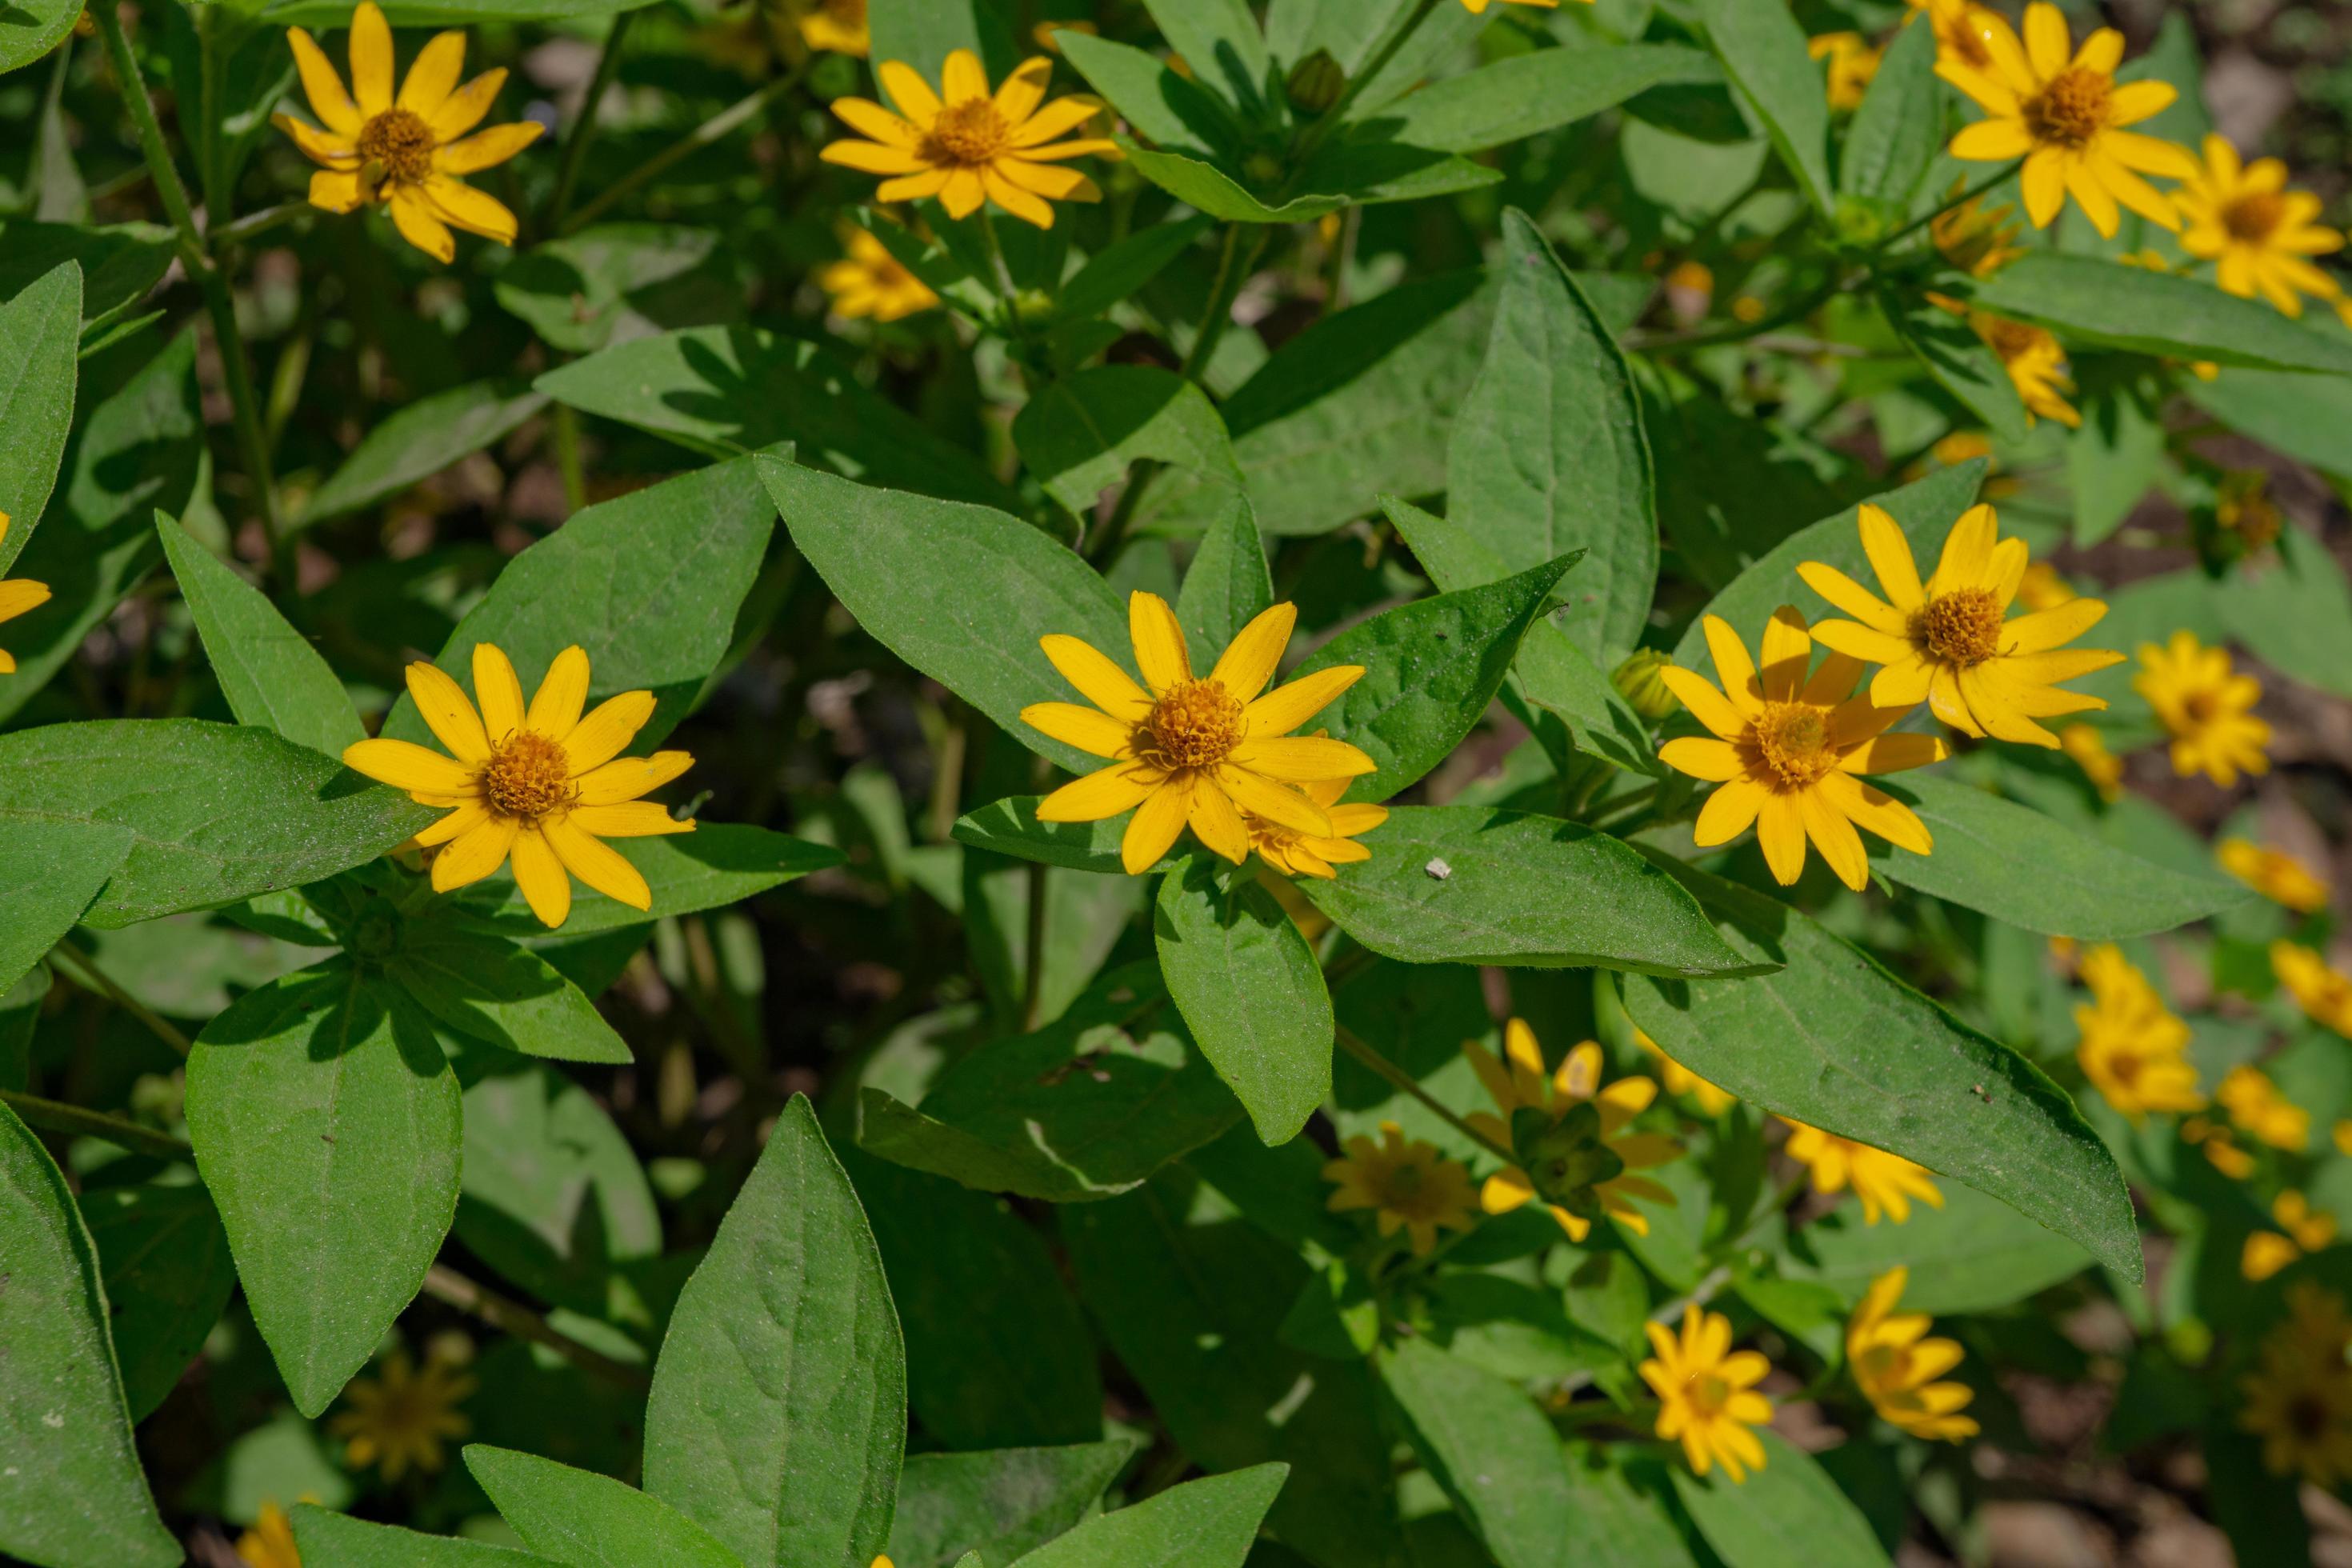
(1104, 792)
(319, 146)
(464, 108)
(626, 778)
(1728, 812)
(404, 765)
(1707, 705)
(1085, 728)
(1882, 541)
(1152, 830)
(629, 820)
(371, 47)
(1249, 660)
(456, 825)
(1024, 89)
(539, 875)
(1023, 204)
(1834, 836)
(1702, 757)
(596, 863)
(1846, 595)
(963, 78)
(1158, 642)
(487, 149)
(1787, 654)
(1287, 707)
(337, 191)
(498, 691)
(1781, 833)
(869, 118)
(433, 76)
(1217, 824)
(322, 86)
(1277, 803)
(477, 211)
(610, 725)
(475, 856)
(1302, 759)
(443, 703)
(1096, 679)
(1733, 668)
(419, 225)
(555, 706)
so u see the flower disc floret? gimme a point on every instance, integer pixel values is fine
(1196, 725)
(526, 777)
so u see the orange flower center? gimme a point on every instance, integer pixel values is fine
(399, 144)
(1707, 1395)
(1793, 739)
(966, 135)
(528, 776)
(1193, 726)
(2254, 216)
(2072, 109)
(1961, 627)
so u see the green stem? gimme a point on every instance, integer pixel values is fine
(481, 1302)
(1033, 955)
(1123, 517)
(165, 174)
(1233, 271)
(56, 1116)
(1701, 1294)
(713, 129)
(567, 460)
(245, 408)
(1963, 199)
(212, 147)
(575, 146)
(1399, 1079)
(1705, 338)
(251, 224)
(79, 969)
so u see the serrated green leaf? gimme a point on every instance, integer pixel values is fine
(1788, 1514)
(1079, 435)
(338, 1540)
(1525, 95)
(588, 1520)
(1206, 188)
(168, 1274)
(2093, 300)
(1493, 1452)
(1005, 1502)
(1893, 138)
(1227, 585)
(270, 673)
(485, 988)
(1207, 1523)
(719, 863)
(1763, 52)
(420, 440)
(40, 339)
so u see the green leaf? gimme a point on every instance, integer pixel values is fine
(2294, 614)
(1177, 113)
(1789, 1514)
(1122, 267)
(1496, 1455)
(422, 439)
(325, 1119)
(1963, 363)
(960, 593)
(1227, 585)
(269, 671)
(29, 31)
(1976, 1254)
(50, 873)
(2016, 865)
(799, 1466)
(2092, 300)
(71, 1491)
(40, 340)
(243, 811)
(1525, 95)
(338, 1540)
(1547, 455)
(1431, 670)
(1220, 38)
(1833, 1040)
(1763, 52)
(1010, 826)
(487, 988)
(1005, 1502)
(1622, 1523)
(1207, 1523)
(1250, 991)
(620, 280)
(923, 31)
(1463, 884)
(588, 1520)
(727, 391)
(719, 863)
(2304, 417)
(2117, 454)
(120, 262)
(1079, 435)
(168, 1274)
(1893, 136)
(1209, 189)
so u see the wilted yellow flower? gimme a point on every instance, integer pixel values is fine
(2089, 750)
(2206, 707)
(1586, 1138)
(1787, 748)
(2322, 991)
(2299, 1396)
(2042, 588)
(1407, 1184)
(870, 281)
(968, 147)
(835, 27)
(2243, 507)
(2065, 117)
(544, 786)
(1194, 751)
(2258, 234)
(18, 594)
(405, 153)
(2133, 1049)
(1300, 854)
(1707, 1393)
(2302, 1229)
(1677, 1079)
(2255, 1104)
(1895, 1365)
(270, 1543)
(2276, 876)
(1884, 1182)
(1853, 65)
(1950, 640)
(2036, 363)
(401, 1418)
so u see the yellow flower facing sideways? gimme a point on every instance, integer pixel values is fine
(1896, 1364)
(1978, 239)
(2299, 1394)
(2036, 363)
(2206, 707)
(2133, 1049)
(405, 151)
(1951, 640)
(1707, 1393)
(2301, 1229)
(2063, 111)
(2276, 876)
(2321, 990)
(1885, 1182)
(2259, 234)
(967, 146)
(2261, 1111)
(401, 1417)
(835, 27)
(18, 594)
(1407, 1184)
(543, 785)
(1297, 854)
(870, 282)
(1853, 66)
(1587, 1160)
(270, 1543)
(1203, 751)
(1787, 751)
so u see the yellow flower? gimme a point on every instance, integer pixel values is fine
(2100, 765)
(1707, 1394)
(18, 594)
(2302, 1229)
(1895, 1367)
(2133, 1049)
(2280, 877)
(1583, 1152)
(1950, 641)
(2299, 1397)
(2255, 1104)
(1198, 751)
(1959, 30)
(270, 1543)
(873, 282)
(2065, 117)
(1297, 854)
(2258, 233)
(836, 26)
(401, 1419)
(2324, 992)
(2206, 707)
(1679, 1079)
(968, 147)
(2243, 506)
(1853, 64)
(1787, 751)
(1885, 1183)
(2222, 1150)
(545, 787)
(2036, 363)
(1407, 1185)
(405, 151)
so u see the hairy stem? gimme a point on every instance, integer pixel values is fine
(583, 128)
(481, 1302)
(1398, 1077)
(56, 1116)
(77, 967)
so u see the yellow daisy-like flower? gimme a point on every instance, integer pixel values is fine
(1707, 1394)
(18, 594)
(1789, 749)
(2301, 1229)
(1407, 1184)
(2278, 876)
(871, 282)
(1853, 65)
(2259, 234)
(1885, 1183)
(1585, 1159)
(2206, 707)
(2299, 1396)
(2088, 750)
(270, 1543)
(1895, 1365)
(405, 151)
(968, 147)
(1195, 750)
(1677, 1079)
(2261, 1111)
(1297, 854)
(2321, 990)
(835, 27)
(2133, 1049)
(2036, 363)
(544, 786)
(2065, 117)
(401, 1418)
(2244, 508)
(1951, 640)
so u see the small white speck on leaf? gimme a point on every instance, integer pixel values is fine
(1438, 868)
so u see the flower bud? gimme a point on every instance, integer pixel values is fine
(1316, 82)
(1637, 680)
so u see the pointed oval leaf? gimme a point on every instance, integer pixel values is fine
(1207, 1523)
(1005, 1501)
(420, 440)
(2089, 300)
(1762, 48)
(270, 673)
(1789, 1514)
(1493, 1451)
(588, 1520)
(338, 1540)
(487, 988)
(168, 1274)
(40, 340)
